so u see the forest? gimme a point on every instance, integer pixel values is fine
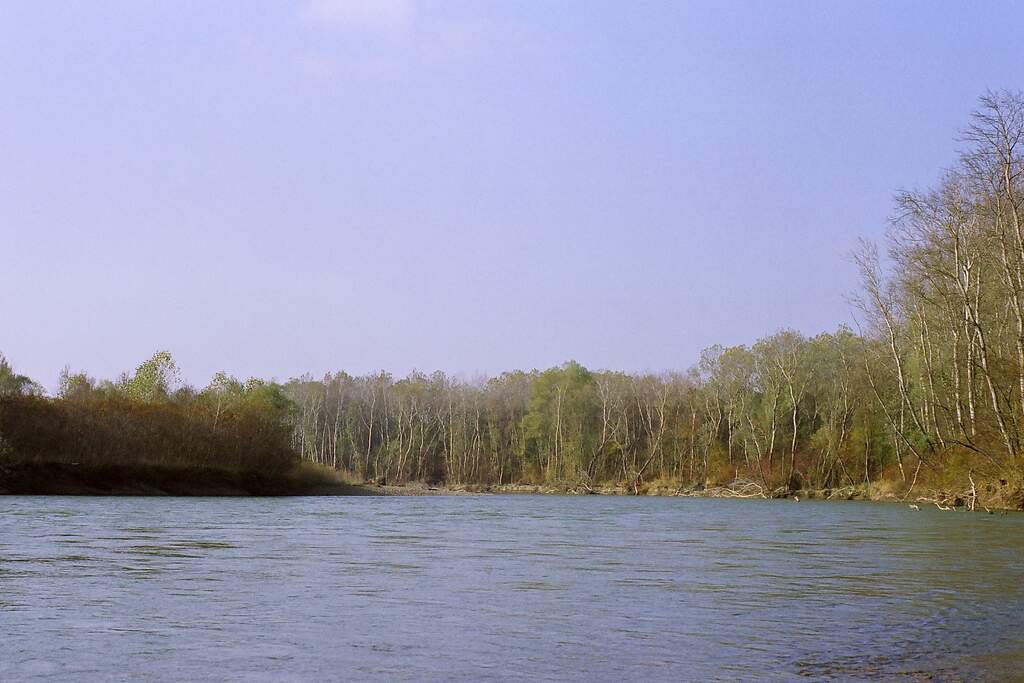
(923, 391)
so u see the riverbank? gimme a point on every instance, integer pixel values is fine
(988, 496)
(306, 479)
(66, 479)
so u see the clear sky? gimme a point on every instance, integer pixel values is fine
(272, 188)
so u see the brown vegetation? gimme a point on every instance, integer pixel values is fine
(117, 446)
(925, 400)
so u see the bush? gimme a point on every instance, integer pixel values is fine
(116, 431)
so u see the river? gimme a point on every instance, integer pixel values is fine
(479, 588)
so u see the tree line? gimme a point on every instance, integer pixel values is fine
(930, 386)
(145, 419)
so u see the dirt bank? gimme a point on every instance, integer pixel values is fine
(989, 496)
(42, 478)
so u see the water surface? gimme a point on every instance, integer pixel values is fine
(505, 587)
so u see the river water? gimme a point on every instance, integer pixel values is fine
(505, 587)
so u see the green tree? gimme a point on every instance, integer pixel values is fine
(154, 380)
(13, 384)
(562, 420)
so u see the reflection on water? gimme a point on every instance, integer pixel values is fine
(478, 588)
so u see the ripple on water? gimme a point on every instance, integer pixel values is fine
(529, 588)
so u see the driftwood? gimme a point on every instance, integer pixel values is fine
(740, 488)
(844, 493)
(950, 501)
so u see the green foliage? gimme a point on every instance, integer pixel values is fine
(13, 384)
(561, 418)
(75, 386)
(154, 379)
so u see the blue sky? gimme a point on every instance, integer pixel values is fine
(273, 188)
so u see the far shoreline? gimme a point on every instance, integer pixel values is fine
(881, 492)
(307, 480)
